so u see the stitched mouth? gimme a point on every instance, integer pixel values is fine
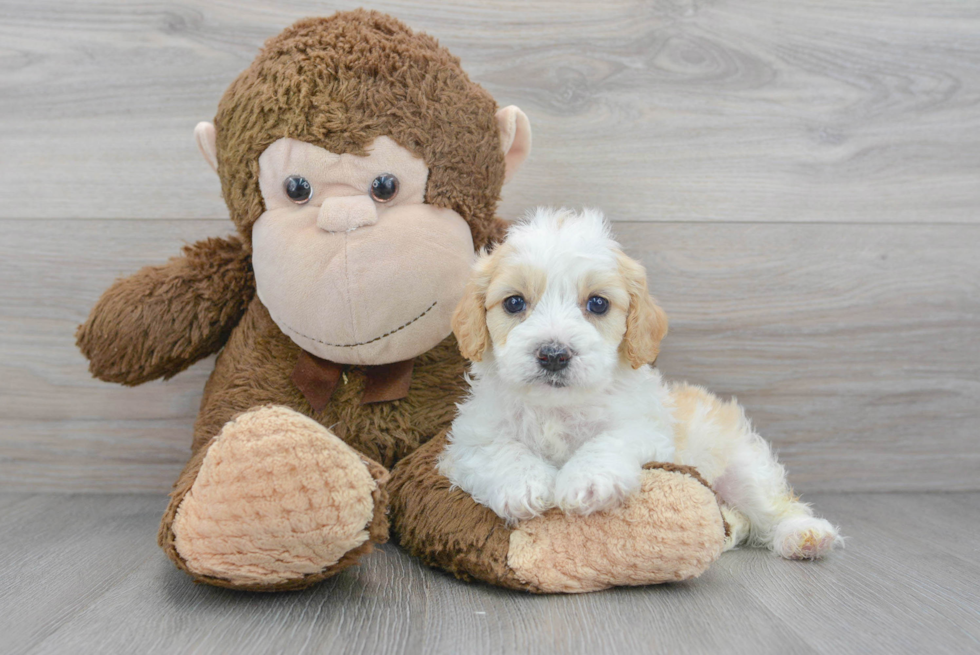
(364, 343)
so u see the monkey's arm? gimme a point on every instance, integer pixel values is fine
(162, 319)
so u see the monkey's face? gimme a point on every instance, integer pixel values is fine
(351, 262)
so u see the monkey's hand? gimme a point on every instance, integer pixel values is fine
(161, 320)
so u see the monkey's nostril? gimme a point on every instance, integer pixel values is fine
(553, 358)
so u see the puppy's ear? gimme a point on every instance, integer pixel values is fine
(646, 322)
(470, 318)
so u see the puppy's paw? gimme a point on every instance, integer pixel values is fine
(805, 538)
(525, 498)
(583, 489)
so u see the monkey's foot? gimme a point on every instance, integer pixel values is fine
(671, 530)
(279, 502)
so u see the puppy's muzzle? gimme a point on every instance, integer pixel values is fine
(553, 358)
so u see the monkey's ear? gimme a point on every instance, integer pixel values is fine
(206, 139)
(515, 138)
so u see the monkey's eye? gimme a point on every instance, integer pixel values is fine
(514, 305)
(597, 305)
(384, 187)
(298, 189)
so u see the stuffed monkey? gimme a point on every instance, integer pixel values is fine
(361, 168)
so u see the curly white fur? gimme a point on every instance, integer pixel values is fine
(528, 438)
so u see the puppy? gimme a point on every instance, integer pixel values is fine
(565, 407)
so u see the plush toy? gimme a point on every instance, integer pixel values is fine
(361, 168)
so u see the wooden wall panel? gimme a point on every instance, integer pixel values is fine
(762, 110)
(854, 347)
(801, 178)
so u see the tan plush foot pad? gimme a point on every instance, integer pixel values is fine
(278, 502)
(672, 530)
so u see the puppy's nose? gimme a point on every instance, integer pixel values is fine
(553, 357)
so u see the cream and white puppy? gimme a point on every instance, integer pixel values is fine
(565, 407)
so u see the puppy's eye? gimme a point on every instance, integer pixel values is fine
(298, 189)
(597, 305)
(514, 305)
(384, 188)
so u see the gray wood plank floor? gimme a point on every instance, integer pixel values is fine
(82, 574)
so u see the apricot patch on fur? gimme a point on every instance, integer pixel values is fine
(278, 497)
(805, 538)
(671, 530)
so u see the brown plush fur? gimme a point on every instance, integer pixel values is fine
(338, 83)
(342, 81)
(444, 527)
(255, 367)
(161, 320)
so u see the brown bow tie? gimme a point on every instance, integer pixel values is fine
(318, 378)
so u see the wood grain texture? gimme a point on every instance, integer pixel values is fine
(854, 349)
(762, 110)
(82, 574)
